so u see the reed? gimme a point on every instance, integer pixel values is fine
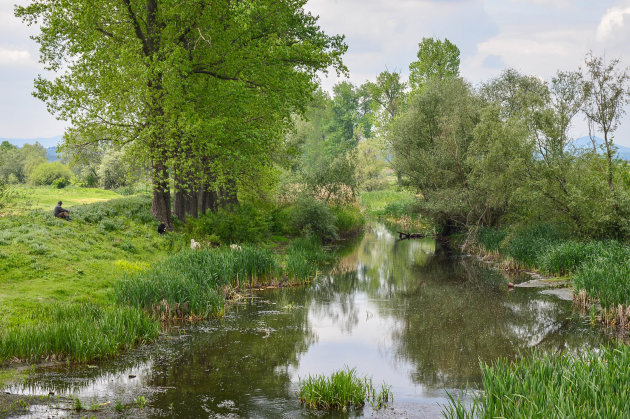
(190, 283)
(77, 332)
(343, 389)
(595, 384)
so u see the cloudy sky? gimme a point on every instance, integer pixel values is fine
(537, 37)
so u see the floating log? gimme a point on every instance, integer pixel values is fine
(403, 235)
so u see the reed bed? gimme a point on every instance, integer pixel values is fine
(594, 385)
(343, 389)
(77, 332)
(191, 283)
(304, 256)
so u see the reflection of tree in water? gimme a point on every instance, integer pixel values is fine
(243, 359)
(450, 312)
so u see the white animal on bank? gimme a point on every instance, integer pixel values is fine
(194, 245)
(235, 247)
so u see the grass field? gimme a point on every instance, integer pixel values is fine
(44, 259)
(108, 267)
(46, 197)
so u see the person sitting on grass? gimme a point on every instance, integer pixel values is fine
(61, 212)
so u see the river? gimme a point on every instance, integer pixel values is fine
(408, 313)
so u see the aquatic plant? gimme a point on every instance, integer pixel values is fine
(527, 245)
(304, 256)
(595, 384)
(191, 282)
(343, 389)
(491, 238)
(140, 401)
(79, 332)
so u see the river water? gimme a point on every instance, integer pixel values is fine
(408, 313)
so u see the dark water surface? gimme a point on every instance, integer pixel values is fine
(408, 313)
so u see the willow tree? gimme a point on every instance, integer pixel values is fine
(180, 84)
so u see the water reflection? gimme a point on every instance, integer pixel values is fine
(405, 312)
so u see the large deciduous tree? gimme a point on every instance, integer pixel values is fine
(436, 59)
(199, 90)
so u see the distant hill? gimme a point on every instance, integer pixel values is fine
(51, 153)
(585, 142)
(46, 142)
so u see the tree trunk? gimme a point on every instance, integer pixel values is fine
(161, 205)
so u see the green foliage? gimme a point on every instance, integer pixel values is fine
(540, 385)
(529, 243)
(436, 59)
(190, 282)
(313, 216)
(439, 167)
(48, 173)
(114, 171)
(79, 332)
(606, 274)
(245, 223)
(350, 220)
(343, 389)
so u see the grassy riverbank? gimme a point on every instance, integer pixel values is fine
(553, 386)
(600, 269)
(94, 286)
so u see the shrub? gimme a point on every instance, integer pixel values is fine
(349, 219)
(48, 173)
(60, 183)
(244, 224)
(313, 216)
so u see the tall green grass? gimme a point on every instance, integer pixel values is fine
(566, 257)
(606, 274)
(528, 244)
(79, 332)
(341, 390)
(595, 385)
(190, 282)
(304, 256)
(491, 238)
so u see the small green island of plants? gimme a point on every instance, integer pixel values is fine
(342, 390)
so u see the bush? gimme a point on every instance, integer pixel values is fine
(349, 219)
(48, 173)
(313, 216)
(245, 223)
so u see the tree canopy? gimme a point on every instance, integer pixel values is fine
(198, 90)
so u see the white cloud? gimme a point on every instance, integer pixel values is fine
(15, 57)
(614, 19)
